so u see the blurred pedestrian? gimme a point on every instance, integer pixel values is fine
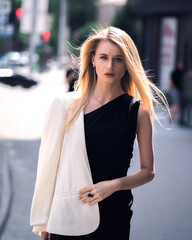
(82, 188)
(71, 76)
(176, 81)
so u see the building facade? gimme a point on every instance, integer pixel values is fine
(167, 40)
(107, 9)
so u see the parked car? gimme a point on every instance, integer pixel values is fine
(7, 76)
(14, 58)
(24, 58)
(9, 59)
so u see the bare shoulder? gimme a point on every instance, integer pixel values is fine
(144, 120)
(143, 111)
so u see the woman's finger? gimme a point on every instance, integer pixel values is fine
(89, 194)
(85, 190)
(94, 201)
(85, 197)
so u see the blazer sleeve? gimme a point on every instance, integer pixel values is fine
(49, 154)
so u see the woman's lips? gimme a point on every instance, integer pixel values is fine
(109, 75)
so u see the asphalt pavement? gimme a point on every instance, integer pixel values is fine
(22, 159)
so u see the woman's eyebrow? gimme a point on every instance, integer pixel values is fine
(104, 54)
(119, 56)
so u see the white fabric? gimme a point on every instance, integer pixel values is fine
(63, 169)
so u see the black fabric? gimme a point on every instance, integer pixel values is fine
(110, 133)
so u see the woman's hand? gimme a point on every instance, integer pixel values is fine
(45, 235)
(98, 192)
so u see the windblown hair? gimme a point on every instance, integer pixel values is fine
(135, 81)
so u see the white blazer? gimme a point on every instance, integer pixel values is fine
(63, 169)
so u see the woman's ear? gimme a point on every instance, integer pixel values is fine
(93, 60)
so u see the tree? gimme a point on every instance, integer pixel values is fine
(81, 12)
(54, 7)
(128, 20)
(19, 40)
(82, 18)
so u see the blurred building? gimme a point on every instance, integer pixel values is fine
(107, 9)
(6, 28)
(167, 40)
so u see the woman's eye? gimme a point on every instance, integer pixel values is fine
(103, 57)
(119, 59)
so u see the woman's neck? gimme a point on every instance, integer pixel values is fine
(105, 94)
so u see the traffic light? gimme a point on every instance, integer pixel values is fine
(46, 35)
(19, 13)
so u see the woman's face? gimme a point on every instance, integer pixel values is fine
(109, 63)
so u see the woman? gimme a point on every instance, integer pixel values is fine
(87, 145)
(175, 83)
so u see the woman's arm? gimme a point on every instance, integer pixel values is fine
(144, 136)
(146, 173)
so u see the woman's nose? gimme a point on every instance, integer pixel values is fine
(110, 64)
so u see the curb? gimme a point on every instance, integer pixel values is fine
(6, 188)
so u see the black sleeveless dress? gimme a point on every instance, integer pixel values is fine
(110, 133)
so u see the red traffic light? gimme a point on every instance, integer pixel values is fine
(19, 13)
(46, 35)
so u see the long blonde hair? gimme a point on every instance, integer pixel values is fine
(135, 81)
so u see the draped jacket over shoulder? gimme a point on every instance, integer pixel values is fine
(63, 169)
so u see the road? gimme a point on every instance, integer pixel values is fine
(162, 208)
(22, 156)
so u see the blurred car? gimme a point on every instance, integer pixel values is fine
(14, 58)
(8, 77)
(24, 58)
(9, 58)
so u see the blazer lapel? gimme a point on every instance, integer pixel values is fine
(81, 132)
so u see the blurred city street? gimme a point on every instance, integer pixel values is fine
(162, 208)
(23, 110)
(39, 40)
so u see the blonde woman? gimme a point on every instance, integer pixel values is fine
(82, 189)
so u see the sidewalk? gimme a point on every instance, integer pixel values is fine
(162, 208)
(5, 186)
(23, 157)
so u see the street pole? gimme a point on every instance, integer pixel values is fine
(33, 35)
(63, 32)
